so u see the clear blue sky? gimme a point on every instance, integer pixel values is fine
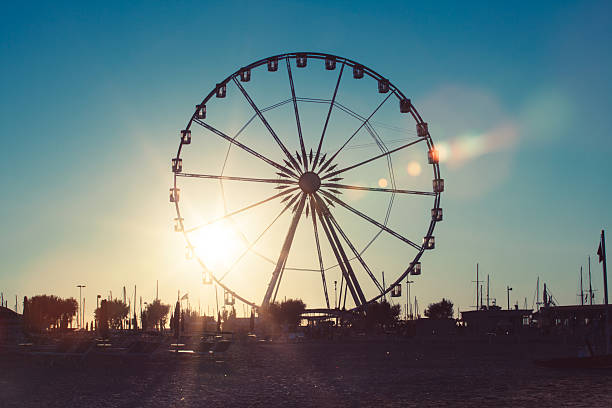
(93, 95)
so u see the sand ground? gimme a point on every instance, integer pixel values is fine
(393, 373)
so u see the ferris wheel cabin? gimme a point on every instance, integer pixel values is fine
(221, 91)
(177, 165)
(301, 60)
(429, 242)
(436, 214)
(383, 86)
(245, 75)
(175, 194)
(405, 105)
(200, 111)
(273, 64)
(186, 136)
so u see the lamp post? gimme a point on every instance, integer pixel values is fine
(335, 294)
(508, 289)
(80, 316)
(408, 283)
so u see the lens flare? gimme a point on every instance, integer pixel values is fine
(382, 183)
(413, 168)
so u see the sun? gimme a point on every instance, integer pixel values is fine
(218, 245)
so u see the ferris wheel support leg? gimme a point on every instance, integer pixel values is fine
(282, 258)
(342, 259)
(351, 274)
(355, 252)
(316, 234)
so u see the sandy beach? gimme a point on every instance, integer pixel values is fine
(382, 372)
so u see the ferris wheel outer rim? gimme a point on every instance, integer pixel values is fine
(351, 63)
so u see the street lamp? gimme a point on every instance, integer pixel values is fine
(335, 294)
(508, 289)
(408, 282)
(80, 316)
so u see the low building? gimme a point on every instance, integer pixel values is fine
(496, 320)
(10, 325)
(572, 319)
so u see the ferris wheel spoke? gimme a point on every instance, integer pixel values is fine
(335, 173)
(297, 116)
(316, 234)
(244, 147)
(253, 243)
(327, 163)
(343, 261)
(233, 178)
(285, 192)
(351, 246)
(371, 220)
(385, 190)
(282, 258)
(267, 125)
(331, 106)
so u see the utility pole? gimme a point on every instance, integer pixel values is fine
(409, 305)
(590, 287)
(487, 291)
(538, 303)
(581, 291)
(384, 286)
(481, 296)
(157, 290)
(602, 257)
(477, 285)
(83, 315)
(80, 305)
(508, 289)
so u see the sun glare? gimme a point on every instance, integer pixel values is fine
(218, 245)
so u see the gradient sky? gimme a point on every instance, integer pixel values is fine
(93, 96)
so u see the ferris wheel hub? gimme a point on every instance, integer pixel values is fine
(310, 182)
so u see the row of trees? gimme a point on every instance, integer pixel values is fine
(115, 314)
(45, 312)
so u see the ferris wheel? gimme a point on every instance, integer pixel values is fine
(271, 187)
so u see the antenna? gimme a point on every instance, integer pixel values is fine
(477, 283)
(591, 294)
(581, 291)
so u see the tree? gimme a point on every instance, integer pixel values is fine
(49, 311)
(157, 314)
(440, 310)
(288, 312)
(116, 311)
(381, 315)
